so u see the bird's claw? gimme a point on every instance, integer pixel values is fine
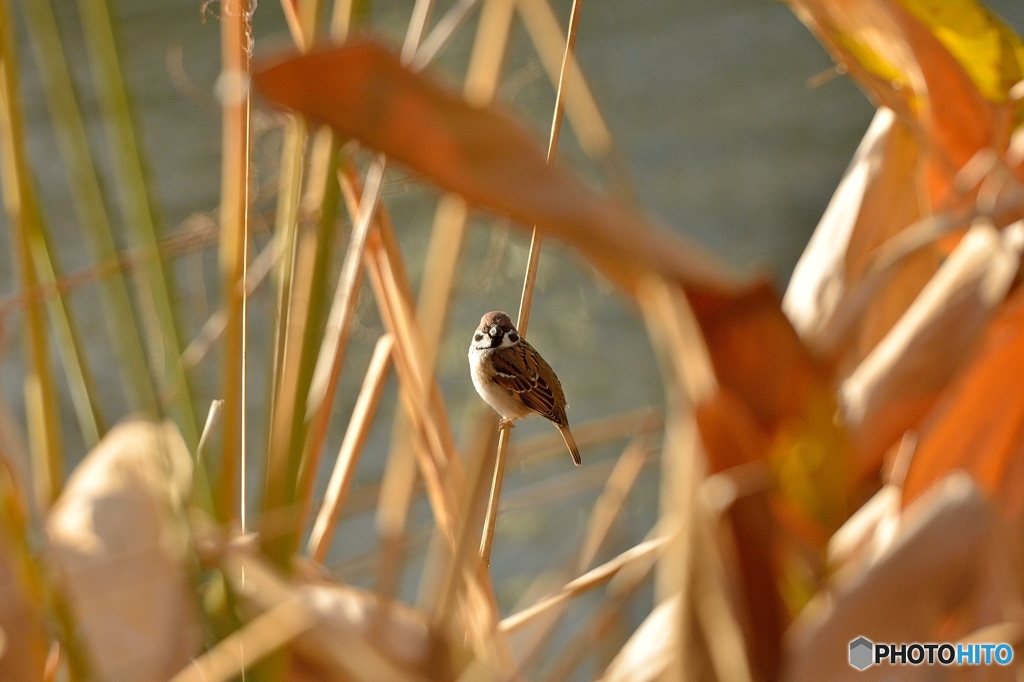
(504, 422)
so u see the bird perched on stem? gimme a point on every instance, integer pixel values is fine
(512, 377)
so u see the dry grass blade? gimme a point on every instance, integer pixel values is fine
(462, 561)
(41, 404)
(588, 581)
(529, 283)
(679, 344)
(306, 316)
(651, 649)
(89, 203)
(139, 211)
(330, 360)
(351, 447)
(550, 41)
(636, 423)
(252, 643)
(714, 612)
(443, 252)
(441, 33)
(609, 504)
(430, 450)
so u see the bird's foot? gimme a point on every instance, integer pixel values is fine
(503, 422)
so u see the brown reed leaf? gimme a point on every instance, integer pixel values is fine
(362, 90)
(119, 543)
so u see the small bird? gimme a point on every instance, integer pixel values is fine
(514, 379)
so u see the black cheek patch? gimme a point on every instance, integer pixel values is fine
(513, 337)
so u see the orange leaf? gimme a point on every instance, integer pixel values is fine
(979, 423)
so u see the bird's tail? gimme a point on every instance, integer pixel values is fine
(570, 442)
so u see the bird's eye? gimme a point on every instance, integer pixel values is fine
(513, 337)
(478, 337)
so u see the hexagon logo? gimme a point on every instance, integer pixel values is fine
(861, 653)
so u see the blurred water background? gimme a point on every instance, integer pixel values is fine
(708, 101)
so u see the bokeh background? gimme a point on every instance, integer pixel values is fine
(712, 107)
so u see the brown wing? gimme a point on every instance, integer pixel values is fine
(524, 373)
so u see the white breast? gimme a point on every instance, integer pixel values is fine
(501, 400)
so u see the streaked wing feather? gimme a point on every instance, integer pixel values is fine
(516, 371)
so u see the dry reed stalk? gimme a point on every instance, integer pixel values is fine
(714, 609)
(443, 251)
(680, 346)
(329, 362)
(41, 404)
(302, 21)
(254, 641)
(212, 420)
(596, 577)
(446, 27)
(428, 446)
(351, 447)
(89, 204)
(138, 208)
(529, 282)
(306, 314)
(462, 559)
(619, 481)
(234, 96)
(549, 40)
(301, 17)
(286, 217)
(620, 589)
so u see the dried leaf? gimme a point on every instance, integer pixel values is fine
(899, 380)
(936, 569)
(363, 91)
(119, 543)
(827, 298)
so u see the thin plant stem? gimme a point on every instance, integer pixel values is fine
(529, 283)
(235, 36)
(41, 403)
(89, 204)
(140, 213)
(443, 252)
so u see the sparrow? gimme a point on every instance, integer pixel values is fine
(512, 377)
